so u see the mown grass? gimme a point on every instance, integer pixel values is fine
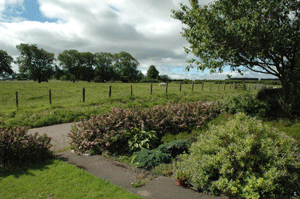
(67, 101)
(56, 179)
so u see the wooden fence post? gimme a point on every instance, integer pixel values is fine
(202, 86)
(193, 86)
(167, 88)
(83, 94)
(109, 91)
(234, 86)
(17, 99)
(50, 100)
(131, 90)
(150, 89)
(179, 87)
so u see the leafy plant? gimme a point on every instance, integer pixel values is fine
(142, 140)
(245, 159)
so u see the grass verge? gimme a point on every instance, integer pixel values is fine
(56, 179)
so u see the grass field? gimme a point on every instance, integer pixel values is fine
(56, 179)
(34, 108)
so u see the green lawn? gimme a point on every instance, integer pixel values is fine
(56, 179)
(67, 102)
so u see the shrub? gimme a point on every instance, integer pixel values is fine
(18, 147)
(175, 148)
(245, 159)
(162, 154)
(150, 158)
(96, 134)
(249, 105)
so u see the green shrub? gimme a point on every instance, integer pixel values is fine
(245, 159)
(150, 158)
(18, 147)
(175, 148)
(98, 133)
(249, 105)
(162, 154)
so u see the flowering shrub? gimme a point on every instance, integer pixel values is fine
(244, 159)
(96, 134)
(16, 146)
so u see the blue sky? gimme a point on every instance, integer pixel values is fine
(143, 28)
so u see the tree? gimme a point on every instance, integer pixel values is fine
(87, 63)
(35, 62)
(5, 64)
(104, 70)
(152, 73)
(164, 78)
(126, 67)
(70, 61)
(257, 35)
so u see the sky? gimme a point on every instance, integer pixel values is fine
(143, 28)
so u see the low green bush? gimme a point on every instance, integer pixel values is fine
(162, 154)
(249, 105)
(244, 159)
(150, 158)
(17, 147)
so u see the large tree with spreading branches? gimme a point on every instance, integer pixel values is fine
(257, 35)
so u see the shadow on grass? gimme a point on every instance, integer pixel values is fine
(24, 169)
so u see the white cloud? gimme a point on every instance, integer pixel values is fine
(143, 28)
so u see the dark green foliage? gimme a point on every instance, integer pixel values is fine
(162, 154)
(18, 147)
(248, 104)
(5, 63)
(175, 148)
(96, 133)
(37, 63)
(152, 73)
(151, 158)
(266, 104)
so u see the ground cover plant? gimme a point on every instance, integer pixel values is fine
(99, 132)
(56, 179)
(245, 159)
(67, 101)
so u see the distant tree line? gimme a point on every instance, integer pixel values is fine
(39, 65)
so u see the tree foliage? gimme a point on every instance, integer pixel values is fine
(152, 73)
(126, 67)
(104, 70)
(37, 63)
(5, 63)
(257, 35)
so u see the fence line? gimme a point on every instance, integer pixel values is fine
(235, 86)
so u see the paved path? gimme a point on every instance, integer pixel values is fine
(58, 133)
